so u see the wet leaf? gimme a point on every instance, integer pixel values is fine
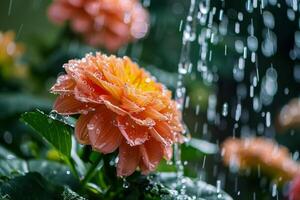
(193, 188)
(52, 171)
(68, 194)
(202, 145)
(53, 131)
(33, 186)
(6, 154)
(13, 167)
(195, 149)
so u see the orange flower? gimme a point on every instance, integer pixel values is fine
(10, 53)
(108, 23)
(260, 152)
(289, 116)
(121, 107)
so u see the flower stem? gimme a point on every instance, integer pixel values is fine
(72, 167)
(91, 171)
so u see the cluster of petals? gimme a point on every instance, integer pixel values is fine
(108, 23)
(254, 153)
(121, 107)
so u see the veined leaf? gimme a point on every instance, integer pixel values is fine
(53, 131)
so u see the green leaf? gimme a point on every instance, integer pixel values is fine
(11, 104)
(196, 149)
(165, 167)
(6, 154)
(193, 188)
(55, 132)
(68, 194)
(33, 186)
(13, 167)
(202, 146)
(52, 171)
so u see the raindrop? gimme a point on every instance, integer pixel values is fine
(252, 43)
(291, 14)
(204, 6)
(268, 19)
(239, 46)
(273, 2)
(146, 3)
(269, 45)
(8, 138)
(225, 109)
(10, 7)
(297, 73)
(249, 6)
(218, 186)
(221, 15)
(296, 155)
(274, 190)
(238, 112)
(237, 28)
(268, 119)
(297, 38)
(125, 183)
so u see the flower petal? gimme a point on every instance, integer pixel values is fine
(133, 133)
(103, 134)
(143, 122)
(131, 106)
(81, 131)
(159, 138)
(59, 12)
(136, 96)
(68, 105)
(111, 78)
(162, 133)
(81, 23)
(144, 169)
(154, 114)
(112, 104)
(129, 158)
(64, 84)
(114, 90)
(152, 153)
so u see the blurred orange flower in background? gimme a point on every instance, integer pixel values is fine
(289, 116)
(121, 107)
(108, 23)
(251, 153)
(10, 54)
